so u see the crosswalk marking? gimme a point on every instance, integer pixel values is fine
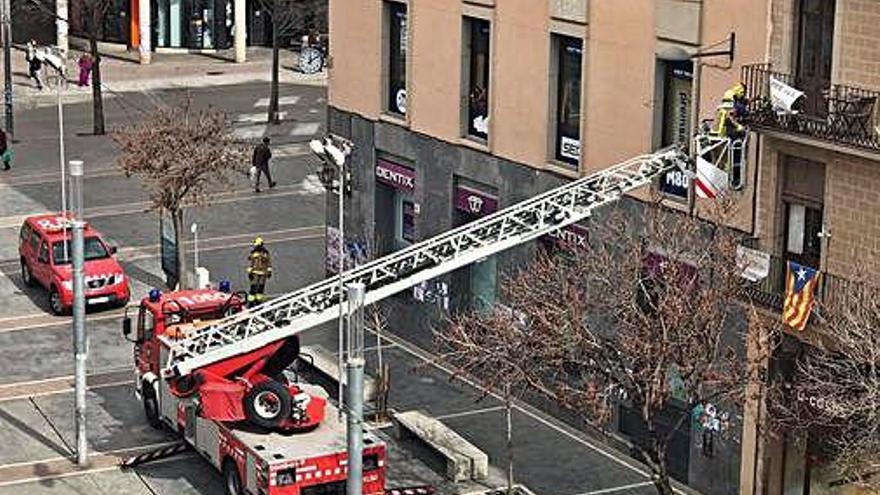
(255, 118)
(305, 129)
(284, 100)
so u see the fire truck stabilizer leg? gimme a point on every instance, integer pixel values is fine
(154, 455)
(283, 358)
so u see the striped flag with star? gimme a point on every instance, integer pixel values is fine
(800, 294)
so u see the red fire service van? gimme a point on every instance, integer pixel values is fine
(44, 250)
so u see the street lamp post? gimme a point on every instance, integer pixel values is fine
(194, 229)
(334, 157)
(6, 20)
(79, 312)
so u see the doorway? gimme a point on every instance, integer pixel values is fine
(259, 23)
(815, 44)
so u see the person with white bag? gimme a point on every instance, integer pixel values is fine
(260, 164)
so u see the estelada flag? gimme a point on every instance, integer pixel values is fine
(800, 294)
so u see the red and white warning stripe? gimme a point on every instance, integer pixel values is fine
(710, 181)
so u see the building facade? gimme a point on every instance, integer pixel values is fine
(459, 107)
(818, 194)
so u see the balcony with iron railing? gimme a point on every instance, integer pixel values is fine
(769, 292)
(840, 115)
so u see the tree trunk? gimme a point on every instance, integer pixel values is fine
(273, 92)
(508, 410)
(183, 276)
(661, 475)
(97, 99)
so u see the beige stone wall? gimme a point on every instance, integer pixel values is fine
(356, 62)
(851, 206)
(520, 83)
(852, 214)
(782, 34)
(858, 55)
(435, 68)
(619, 81)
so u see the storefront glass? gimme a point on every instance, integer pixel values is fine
(193, 24)
(113, 29)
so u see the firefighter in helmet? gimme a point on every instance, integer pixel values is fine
(259, 270)
(731, 112)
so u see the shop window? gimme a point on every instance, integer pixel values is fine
(568, 53)
(396, 19)
(476, 37)
(672, 118)
(404, 220)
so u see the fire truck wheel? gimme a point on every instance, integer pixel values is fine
(231, 478)
(26, 276)
(267, 404)
(151, 407)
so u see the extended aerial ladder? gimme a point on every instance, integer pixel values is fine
(308, 307)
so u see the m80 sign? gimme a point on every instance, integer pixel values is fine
(674, 183)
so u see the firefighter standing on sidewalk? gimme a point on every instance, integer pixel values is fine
(259, 270)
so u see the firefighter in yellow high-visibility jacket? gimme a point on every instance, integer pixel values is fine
(728, 120)
(259, 270)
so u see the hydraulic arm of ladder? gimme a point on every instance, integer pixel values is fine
(305, 308)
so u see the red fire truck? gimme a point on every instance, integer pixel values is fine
(265, 432)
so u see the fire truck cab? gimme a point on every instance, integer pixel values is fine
(260, 427)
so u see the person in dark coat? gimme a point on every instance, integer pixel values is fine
(262, 154)
(4, 150)
(35, 64)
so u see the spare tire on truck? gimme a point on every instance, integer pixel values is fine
(267, 404)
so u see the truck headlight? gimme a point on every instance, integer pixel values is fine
(67, 284)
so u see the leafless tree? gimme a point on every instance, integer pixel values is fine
(289, 18)
(832, 397)
(182, 155)
(492, 348)
(91, 16)
(645, 317)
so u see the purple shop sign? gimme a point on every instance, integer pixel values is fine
(474, 202)
(396, 176)
(573, 236)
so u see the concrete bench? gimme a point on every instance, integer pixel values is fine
(323, 365)
(441, 448)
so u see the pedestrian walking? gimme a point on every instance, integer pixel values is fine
(5, 151)
(85, 69)
(259, 271)
(35, 64)
(262, 154)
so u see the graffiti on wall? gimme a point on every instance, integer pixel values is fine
(356, 252)
(712, 425)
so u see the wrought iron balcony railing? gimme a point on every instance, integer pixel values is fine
(770, 291)
(839, 114)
